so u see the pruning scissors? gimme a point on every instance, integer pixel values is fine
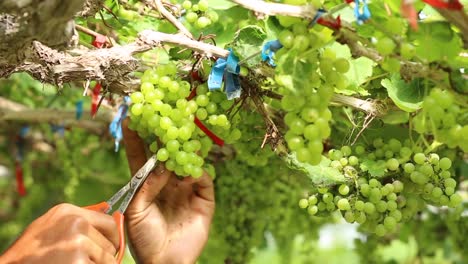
(129, 189)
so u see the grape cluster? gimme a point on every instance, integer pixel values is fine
(379, 201)
(161, 113)
(443, 118)
(200, 15)
(258, 198)
(306, 104)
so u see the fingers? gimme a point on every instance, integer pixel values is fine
(96, 253)
(103, 223)
(102, 241)
(83, 218)
(205, 187)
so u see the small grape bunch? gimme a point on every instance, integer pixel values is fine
(199, 15)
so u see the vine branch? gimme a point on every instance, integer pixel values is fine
(163, 11)
(110, 66)
(14, 112)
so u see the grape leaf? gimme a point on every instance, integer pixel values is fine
(247, 42)
(407, 96)
(297, 68)
(374, 168)
(396, 117)
(360, 69)
(436, 41)
(321, 175)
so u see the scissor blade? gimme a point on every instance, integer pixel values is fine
(137, 181)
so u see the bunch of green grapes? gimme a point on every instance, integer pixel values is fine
(161, 113)
(248, 148)
(253, 200)
(444, 119)
(200, 15)
(408, 181)
(306, 105)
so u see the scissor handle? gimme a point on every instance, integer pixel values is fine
(119, 221)
(100, 207)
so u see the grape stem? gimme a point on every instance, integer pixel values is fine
(158, 5)
(12, 111)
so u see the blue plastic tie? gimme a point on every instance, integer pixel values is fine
(59, 129)
(20, 143)
(269, 50)
(115, 126)
(215, 80)
(24, 131)
(79, 109)
(365, 15)
(319, 14)
(232, 87)
(228, 70)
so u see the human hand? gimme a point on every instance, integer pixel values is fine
(66, 234)
(168, 220)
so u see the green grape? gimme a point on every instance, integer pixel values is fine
(369, 208)
(419, 158)
(408, 167)
(349, 217)
(386, 46)
(445, 163)
(343, 189)
(327, 197)
(359, 205)
(450, 183)
(137, 109)
(390, 223)
(303, 203)
(187, 5)
(312, 210)
(286, 38)
(393, 164)
(343, 204)
(313, 200)
(341, 65)
(381, 206)
(203, 5)
(162, 155)
(137, 97)
(380, 230)
(455, 200)
(353, 160)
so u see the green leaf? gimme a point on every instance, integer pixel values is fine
(396, 117)
(248, 42)
(322, 174)
(296, 66)
(436, 41)
(359, 71)
(407, 96)
(374, 168)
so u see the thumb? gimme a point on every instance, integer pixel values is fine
(136, 155)
(150, 189)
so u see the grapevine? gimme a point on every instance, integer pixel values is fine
(304, 112)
